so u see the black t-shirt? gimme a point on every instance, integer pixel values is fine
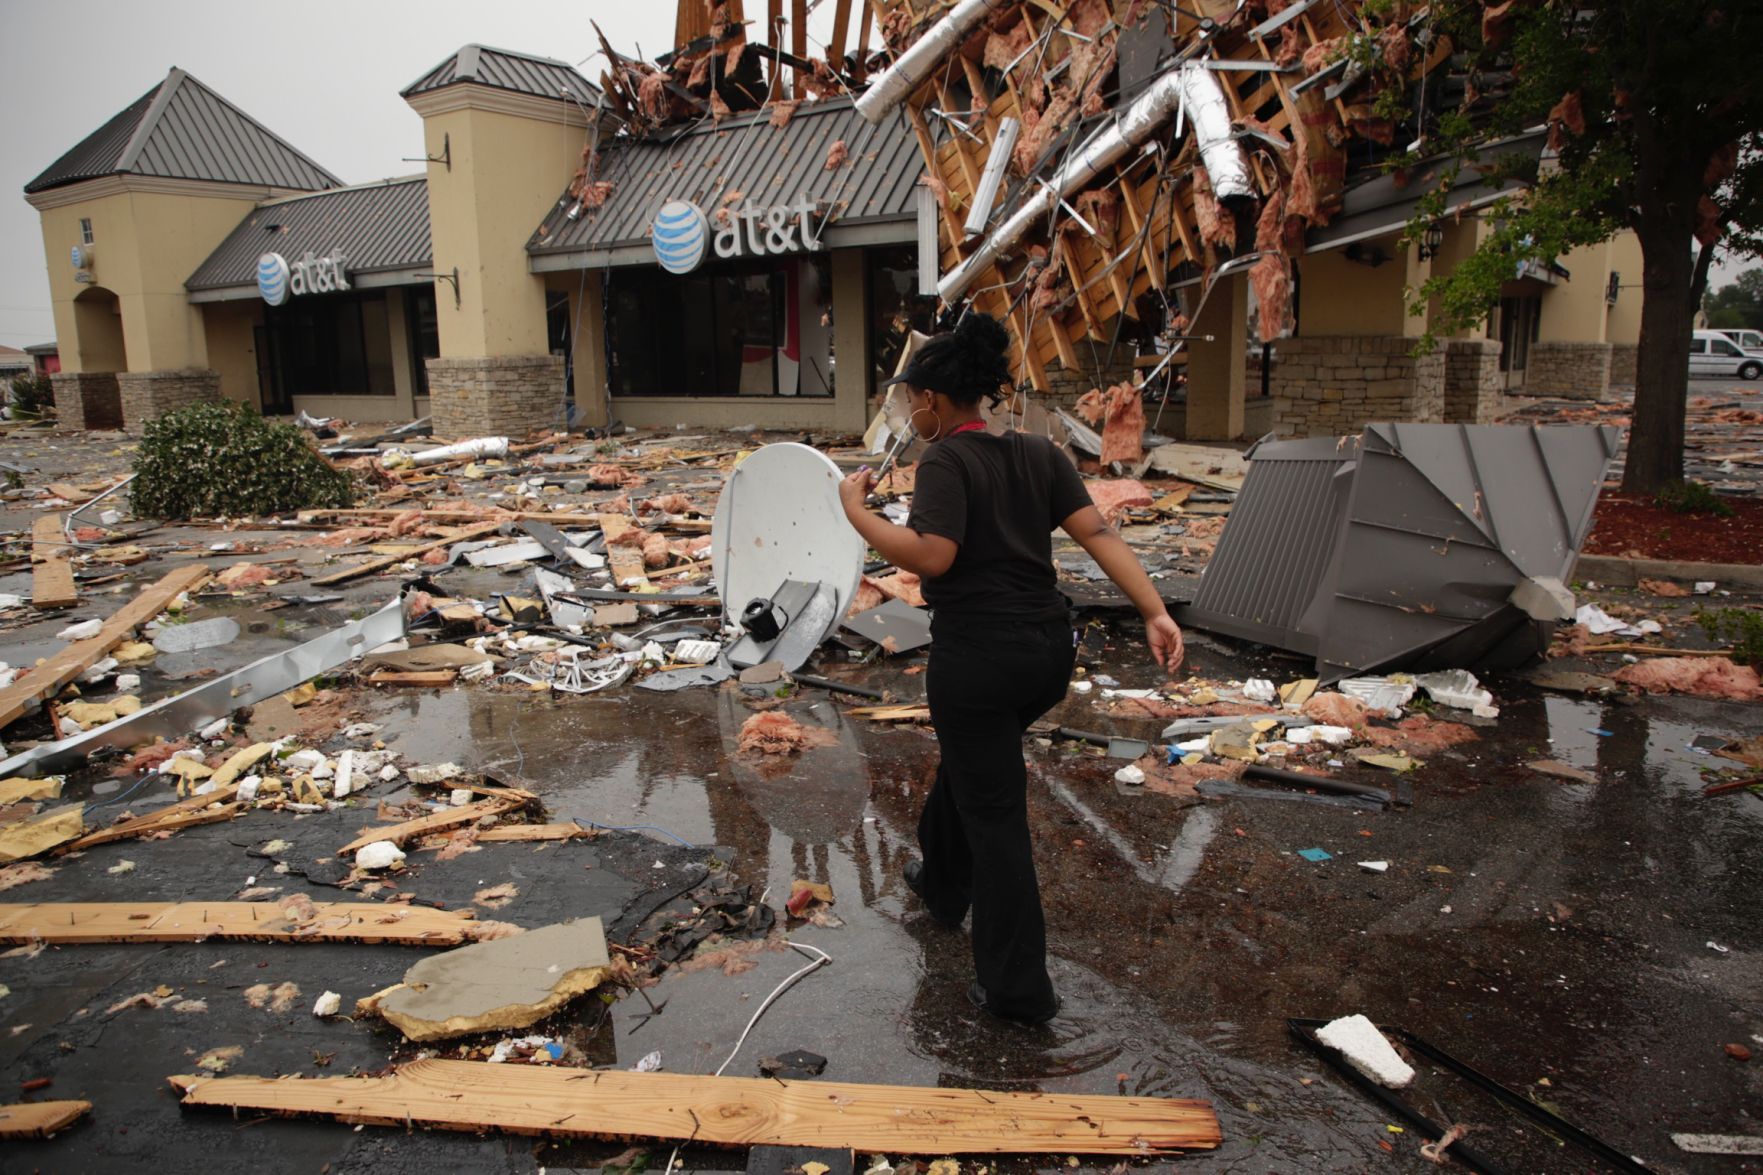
(999, 498)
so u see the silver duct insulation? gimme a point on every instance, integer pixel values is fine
(1189, 85)
(1226, 165)
(1003, 144)
(921, 57)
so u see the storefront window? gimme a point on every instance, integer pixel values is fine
(729, 331)
(425, 333)
(335, 345)
(896, 309)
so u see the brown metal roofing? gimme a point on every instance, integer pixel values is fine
(746, 158)
(378, 227)
(181, 129)
(522, 73)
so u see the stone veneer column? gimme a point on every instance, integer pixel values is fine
(1568, 371)
(1474, 388)
(1623, 359)
(147, 394)
(86, 399)
(1336, 385)
(498, 395)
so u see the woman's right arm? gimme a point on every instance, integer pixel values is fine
(1103, 543)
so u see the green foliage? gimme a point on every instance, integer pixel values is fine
(31, 395)
(225, 459)
(1738, 303)
(1692, 497)
(1742, 628)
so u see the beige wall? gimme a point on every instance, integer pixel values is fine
(147, 243)
(1342, 297)
(232, 347)
(507, 170)
(1622, 324)
(1573, 310)
(1461, 239)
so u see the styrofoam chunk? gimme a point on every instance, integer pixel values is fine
(1367, 1050)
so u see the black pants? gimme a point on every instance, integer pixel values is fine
(986, 682)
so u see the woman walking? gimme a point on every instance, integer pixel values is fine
(980, 537)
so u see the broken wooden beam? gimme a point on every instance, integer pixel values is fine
(291, 921)
(416, 677)
(52, 583)
(728, 1111)
(368, 568)
(400, 834)
(28, 1120)
(46, 680)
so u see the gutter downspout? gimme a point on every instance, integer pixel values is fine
(1189, 86)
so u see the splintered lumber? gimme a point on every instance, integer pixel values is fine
(911, 712)
(730, 1111)
(183, 814)
(400, 834)
(39, 1119)
(370, 922)
(537, 832)
(46, 680)
(52, 583)
(368, 568)
(419, 677)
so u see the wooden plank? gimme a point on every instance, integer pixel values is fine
(348, 573)
(835, 48)
(46, 680)
(39, 1119)
(371, 922)
(161, 821)
(52, 583)
(730, 1111)
(535, 832)
(410, 830)
(417, 677)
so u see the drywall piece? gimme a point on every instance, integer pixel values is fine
(734, 1111)
(39, 1119)
(1365, 1048)
(197, 634)
(293, 920)
(213, 699)
(495, 986)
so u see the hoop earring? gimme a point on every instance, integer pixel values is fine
(913, 421)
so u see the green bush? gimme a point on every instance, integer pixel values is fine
(31, 395)
(1692, 497)
(225, 459)
(1742, 628)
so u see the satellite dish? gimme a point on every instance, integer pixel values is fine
(779, 519)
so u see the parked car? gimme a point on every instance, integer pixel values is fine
(1712, 353)
(1746, 338)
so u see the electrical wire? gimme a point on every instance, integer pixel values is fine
(139, 784)
(635, 828)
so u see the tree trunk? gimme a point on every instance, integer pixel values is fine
(1662, 366)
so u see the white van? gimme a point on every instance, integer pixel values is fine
(1747, 339)
(1712, 353)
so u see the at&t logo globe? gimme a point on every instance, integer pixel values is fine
(680, 234)
(272, 278)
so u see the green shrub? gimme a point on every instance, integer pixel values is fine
(1692, 497)
(31, 395)
(225, 459)
(1742, 628)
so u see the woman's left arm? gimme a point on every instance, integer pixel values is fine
(924, 555)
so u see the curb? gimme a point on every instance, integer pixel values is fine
(1614, 571)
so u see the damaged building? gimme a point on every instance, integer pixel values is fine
(1199, 202)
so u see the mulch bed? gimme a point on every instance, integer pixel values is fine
(1635, 526)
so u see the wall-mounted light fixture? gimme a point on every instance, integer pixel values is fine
(1431, 241)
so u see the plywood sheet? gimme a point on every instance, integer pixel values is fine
(734, 1111)
(75, 922)
(52, 583)
(39, 1119)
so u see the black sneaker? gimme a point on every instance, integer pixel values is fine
(913, 872)
(976, 995)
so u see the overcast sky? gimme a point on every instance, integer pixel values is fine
(322, 74)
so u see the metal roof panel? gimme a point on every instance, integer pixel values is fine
(379, 227)
(504, 69)
(745, 157)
